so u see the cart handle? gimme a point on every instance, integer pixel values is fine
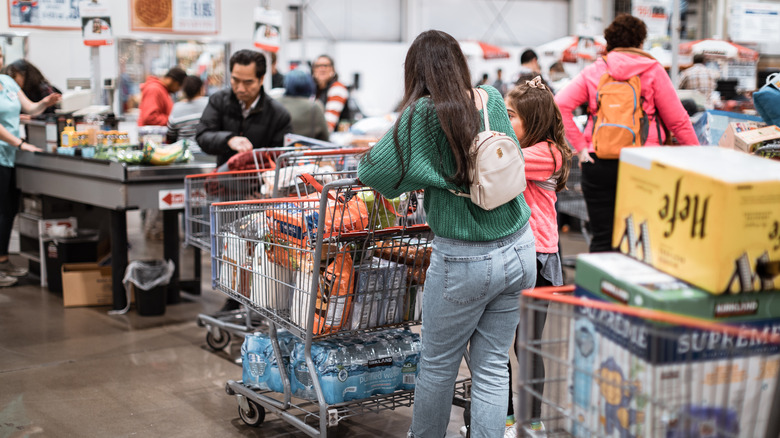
(562, 295)
(267, 201)
(229, 172)
(327, 152)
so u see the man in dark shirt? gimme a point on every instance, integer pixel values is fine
(242, 117)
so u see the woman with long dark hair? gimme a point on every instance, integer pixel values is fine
(32, 82)
(481, 260)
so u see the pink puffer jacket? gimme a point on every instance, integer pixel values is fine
(657, 90)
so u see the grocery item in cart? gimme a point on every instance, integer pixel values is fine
(379, 294)
(271, 281)
(709, 216)
(235, 264)
(260, 366)
(334, 296)
(414, 253)
(295, 222)
(384, 212)
(619, 361)
(357, 367)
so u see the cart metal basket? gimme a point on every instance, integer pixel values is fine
(275, 174)
(612, 370)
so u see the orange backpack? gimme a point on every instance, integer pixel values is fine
(620, 120)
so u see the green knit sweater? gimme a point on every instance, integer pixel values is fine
(430, 161)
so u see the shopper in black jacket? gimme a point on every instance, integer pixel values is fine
(243, 117)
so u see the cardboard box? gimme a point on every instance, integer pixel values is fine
(619, 390)
(617, 278)
(86, 284)
(709, 216)
(749, 141)
(720, 382)
(729, 136)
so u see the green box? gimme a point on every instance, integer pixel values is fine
(615, 277)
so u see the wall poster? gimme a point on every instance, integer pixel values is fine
(49, 14)
(175, 16)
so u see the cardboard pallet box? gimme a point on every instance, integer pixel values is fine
(86, 284)
(709, 216)
(672, 379)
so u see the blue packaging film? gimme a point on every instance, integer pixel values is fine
(357, 367)
(260, 367)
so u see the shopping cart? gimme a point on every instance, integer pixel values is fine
(273, 166)
(615, 370)
(343, 264)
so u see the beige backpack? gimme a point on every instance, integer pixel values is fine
(497, 167)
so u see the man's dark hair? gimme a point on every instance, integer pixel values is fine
(698, 58)
(177, 74)
(246, 57)
(191, 87)
(528, 56)
(626, 31)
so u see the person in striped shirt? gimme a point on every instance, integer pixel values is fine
(330, 92)
(185, 116)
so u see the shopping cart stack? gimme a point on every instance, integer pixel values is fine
(646, 348)
(338, 271)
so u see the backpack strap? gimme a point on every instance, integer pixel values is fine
(486, 118)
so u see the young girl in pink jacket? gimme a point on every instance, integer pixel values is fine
(538, 125)
(625, 36)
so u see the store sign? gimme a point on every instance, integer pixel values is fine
(268, 29)
(755, 22)
(95, 24)
(175, 16)
(57, 14)
(655, 14)
(170, 199)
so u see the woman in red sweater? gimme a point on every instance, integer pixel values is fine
(538, 125)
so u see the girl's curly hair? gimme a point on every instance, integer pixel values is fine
(625, 32)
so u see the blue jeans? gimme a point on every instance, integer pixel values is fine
(472, 292)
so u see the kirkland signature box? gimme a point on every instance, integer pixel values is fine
(700, 381)
(707, 215)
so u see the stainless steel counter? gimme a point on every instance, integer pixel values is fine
(101, 183)
(117, 187)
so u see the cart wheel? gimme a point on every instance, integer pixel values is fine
(255, 416)
(218, 343)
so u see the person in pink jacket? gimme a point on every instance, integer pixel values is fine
(538, 125)
(624, 58)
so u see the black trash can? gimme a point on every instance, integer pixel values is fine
(149, 280)
(60, 250)
(151, 302)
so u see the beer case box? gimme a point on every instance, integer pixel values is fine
(720, 382)
(707, 215)
(618, 392)
(86, 284)
(618, 278)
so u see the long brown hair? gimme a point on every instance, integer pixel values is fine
(542, 121)
(435, 67)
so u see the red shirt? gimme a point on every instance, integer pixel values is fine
(156, 103)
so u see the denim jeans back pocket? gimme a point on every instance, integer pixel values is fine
(526, 252)
(467, 278)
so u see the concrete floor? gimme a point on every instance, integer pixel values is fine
(80, 372)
